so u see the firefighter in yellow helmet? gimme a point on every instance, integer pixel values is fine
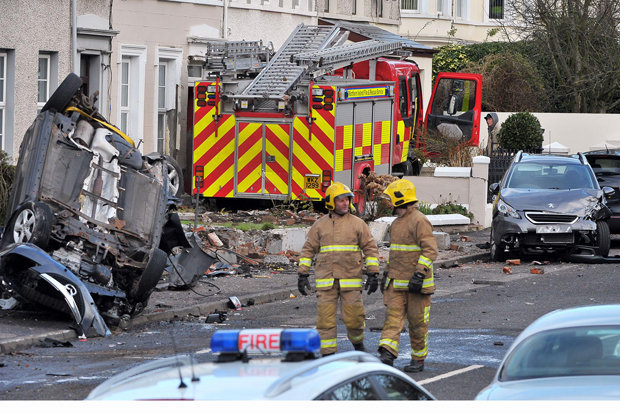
(408, 281)
(344, 244)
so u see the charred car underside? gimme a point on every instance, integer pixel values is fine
(87, 215)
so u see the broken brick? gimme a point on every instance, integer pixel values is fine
(465, 238)
(214, 239)
(513, 262)
(537, 271)
(455, 247)
(507, 270)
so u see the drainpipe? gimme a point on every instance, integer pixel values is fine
(225, 20)
(74, 35)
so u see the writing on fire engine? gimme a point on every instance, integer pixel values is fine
(364, 93)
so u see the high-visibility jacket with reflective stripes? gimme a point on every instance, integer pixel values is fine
(412, 248)
(344, 245)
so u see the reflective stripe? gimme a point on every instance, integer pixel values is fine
(351, 283)
(405, 247)
(390, 343)
(372, 261)
(424, 351)
(357, 339)
(305, 261)
(324, 282)
(425, 261)
(428, 282)
(329, 343)
(339, 248)
(427, 312)
(401, 284)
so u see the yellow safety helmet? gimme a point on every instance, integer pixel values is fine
(335, 190)
(401, 192)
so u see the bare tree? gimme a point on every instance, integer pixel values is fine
(580, 40)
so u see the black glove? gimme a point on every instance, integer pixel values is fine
(372, 283)
(415, 283)
(383, 281)
(303, 283)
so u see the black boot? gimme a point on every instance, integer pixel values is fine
(359, 346)
(415, 366)
(386, 357)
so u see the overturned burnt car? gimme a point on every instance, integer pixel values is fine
(85, 195)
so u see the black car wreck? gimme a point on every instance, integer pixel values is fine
(547, 204)
(87, 214)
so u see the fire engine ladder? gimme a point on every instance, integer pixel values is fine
(280, 75)
(327, 60)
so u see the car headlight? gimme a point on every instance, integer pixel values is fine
(507, 210)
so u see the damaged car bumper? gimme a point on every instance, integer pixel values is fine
(35, 277)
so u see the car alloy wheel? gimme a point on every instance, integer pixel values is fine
(31, 223)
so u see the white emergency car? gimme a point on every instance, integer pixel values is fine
(247, 369)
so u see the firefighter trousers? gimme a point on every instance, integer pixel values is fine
(351, 310)
(401, 305)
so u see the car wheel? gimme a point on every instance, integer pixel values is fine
(497, 251)
(150, 276)
(175, 176)
(63, 94)
(32, 223)
(603, 239)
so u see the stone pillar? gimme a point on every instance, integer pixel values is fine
(478, 190)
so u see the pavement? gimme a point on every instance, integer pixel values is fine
(20, 329)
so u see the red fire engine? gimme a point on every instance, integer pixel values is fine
(321, 109)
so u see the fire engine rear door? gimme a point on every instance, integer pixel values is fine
(262, 162)
(454, 107)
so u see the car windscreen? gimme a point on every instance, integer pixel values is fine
(550, 176)
(565, 352)
(605, 165)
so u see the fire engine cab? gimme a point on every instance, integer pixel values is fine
(326, 107)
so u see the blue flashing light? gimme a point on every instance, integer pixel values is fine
(266, 341)
(300, 340)
(225, 341)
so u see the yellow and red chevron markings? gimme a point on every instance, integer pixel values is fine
(214, 148)
(250, 158)
(277, 141)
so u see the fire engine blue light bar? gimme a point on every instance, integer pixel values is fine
(265, 341)
(303, 339)
(225, 341)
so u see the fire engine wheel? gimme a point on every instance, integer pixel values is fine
(603, 240)
(63, 94)
(31, 223)
(175, 176)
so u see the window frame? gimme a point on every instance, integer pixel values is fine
(488, 7)
(47, 79)
(416, 9)
(172, 59)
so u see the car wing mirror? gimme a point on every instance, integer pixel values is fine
(609, 192)
(494, 188)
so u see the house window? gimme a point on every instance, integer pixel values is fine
(170, 62)
(326, 4)
(461, 8)
(496, 9)
(43, 80)
(2, 96)
(125, 94)
(409, 4)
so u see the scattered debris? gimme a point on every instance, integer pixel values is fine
(464, 238)
(455, 247)
(8, 304)
(537, 271)
(48, 342)
(217, 317)
(513, 262)
(507, 270)
(220, 269)
(234, 303)
(541, 263)
(484, 246)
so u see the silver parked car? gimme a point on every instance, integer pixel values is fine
(569, 354)
(243, 371)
